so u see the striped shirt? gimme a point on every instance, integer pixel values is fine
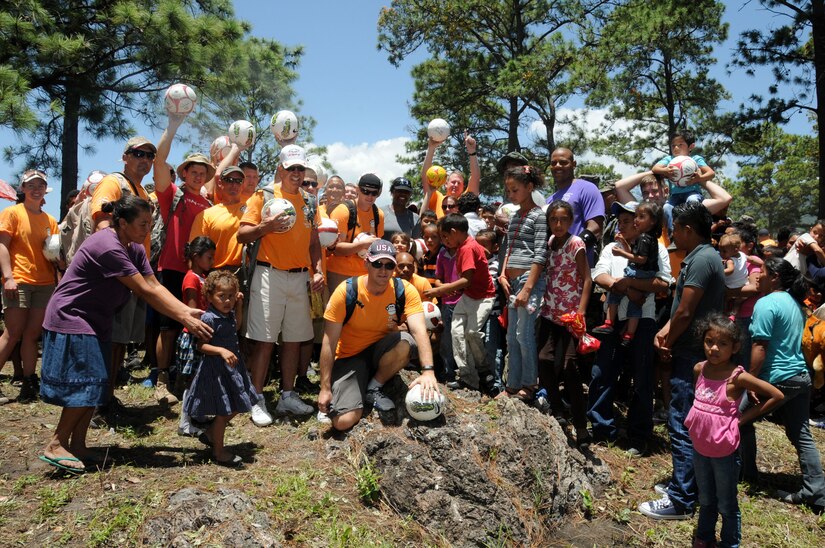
(527, 239)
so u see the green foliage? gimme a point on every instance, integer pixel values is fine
(123, 516)
(587, 503)
(777, 182)
(494, 68)
(52, 500)
(367, 479)
(650, 69)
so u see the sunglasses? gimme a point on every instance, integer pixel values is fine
(451, 206)
(141, 154)
(379, 265)
(313, 184)
(233, 180)
(295, 168)
(369, 192)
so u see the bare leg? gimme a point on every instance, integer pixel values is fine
(259, 364)
(70, 419)
(28, 346)
(216, 434)
(290, 353)
(77, 442)
(306, 357)
(15, 319)
(393, 361)
(165, 347)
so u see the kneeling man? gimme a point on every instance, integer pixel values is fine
(361, 353)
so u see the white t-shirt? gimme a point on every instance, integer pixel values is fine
(739, 277)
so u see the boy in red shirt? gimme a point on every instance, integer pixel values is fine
(473, 308)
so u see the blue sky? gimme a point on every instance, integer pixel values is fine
(358, 98)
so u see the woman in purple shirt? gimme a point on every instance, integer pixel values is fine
(77, 333)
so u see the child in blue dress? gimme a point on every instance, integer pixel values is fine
(221, 386)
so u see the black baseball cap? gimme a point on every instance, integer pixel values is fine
(370, 181)
(401, 183)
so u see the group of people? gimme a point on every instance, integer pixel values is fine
(671, 291)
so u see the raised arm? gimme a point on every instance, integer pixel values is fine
(719, 198)
(474, 183)
(428, 162)
(624, 186)
(161, 173)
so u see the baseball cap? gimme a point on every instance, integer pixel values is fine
(196, 159)
(370, 181)
(618, 207)
(512, 157)
(746, 219)
(401, 183)
(293, 155)
(607, 186)
(31, 175)
(230, 170)
(381, 249)
(137, 142)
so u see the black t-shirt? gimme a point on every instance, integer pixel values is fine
(647, 246)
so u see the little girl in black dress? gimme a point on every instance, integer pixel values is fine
(221, 386)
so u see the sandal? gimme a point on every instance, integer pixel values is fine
(506, 393)
(55, 461)
(526, 394)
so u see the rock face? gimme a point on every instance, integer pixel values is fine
(500, 473)
(228, 517)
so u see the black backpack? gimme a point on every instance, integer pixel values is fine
(352, 221)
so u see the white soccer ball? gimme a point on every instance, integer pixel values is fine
(432, 315)
(284, 127)
(276, 206)
(219, 149)
(686, 167)
(418, 248)
(180, 99)
(93, 180)
(363, 236)
(242, 133)
(421, 409)
(438, 130)
(507, 210)
(327, 232)
(51, 247)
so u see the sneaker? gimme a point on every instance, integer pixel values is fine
(662, 509)
(627, 338)
(152, 379)
(377, 399)
(323, 418)
(605, 329)
(542, 404)
(303, 384)
(260, 416)
(292, 405)
(660, 488)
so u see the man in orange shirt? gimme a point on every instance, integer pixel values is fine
(455, 180)
(359, 355)
(220, 222)
(278, 292)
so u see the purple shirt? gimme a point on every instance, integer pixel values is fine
(87, 297)
(587, 204)
(445, 271)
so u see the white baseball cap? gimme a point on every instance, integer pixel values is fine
(293, 155)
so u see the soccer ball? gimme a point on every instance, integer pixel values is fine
(363, 236)
(418, 248)
(432, 315)
(219, 149)
(438, 130)
(180, 99)
(507, 210)
(51, 247)
(328, 232)
(284, 127)
(242, 133)
(276, 206)
(421, 409)
(436, 176)
(93, 180)
(686, 167)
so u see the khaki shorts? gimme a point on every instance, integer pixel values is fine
(129, 325)
(30, 296)
(350, 376)
(278, 305)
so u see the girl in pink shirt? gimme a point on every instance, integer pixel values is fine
(713, 425)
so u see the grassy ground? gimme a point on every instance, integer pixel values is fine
(314, 496)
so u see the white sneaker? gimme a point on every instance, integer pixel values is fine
(292, 405)
(260, 416)
(186, 428)
(323, 418)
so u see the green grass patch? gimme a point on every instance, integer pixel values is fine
(23, 482)
(116, 523)
(367, 479)
(52, 500)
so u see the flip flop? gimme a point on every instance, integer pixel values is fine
(235, 462)
(56, 463)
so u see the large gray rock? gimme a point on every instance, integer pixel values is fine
(503, 472)
(197, 518)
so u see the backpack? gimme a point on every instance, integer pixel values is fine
(352, 220)
(158, 237)
(249, 255)
(78, 224)
(352, 298)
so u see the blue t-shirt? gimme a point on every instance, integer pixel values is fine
(676, 189)
(778, 319)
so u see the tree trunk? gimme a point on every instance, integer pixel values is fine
(512, 129)
(818, 35)
(68, 164)
(671, 101)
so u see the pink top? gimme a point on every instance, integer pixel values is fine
(746, 308)
(713, 421)
(564, 287)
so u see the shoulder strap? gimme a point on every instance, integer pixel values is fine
(375, 217)
(400, 298)
(352, 297)
(125, 183)
(352, 222)
(176, 200)
(310, 203)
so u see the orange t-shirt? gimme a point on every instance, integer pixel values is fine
(28, 232)
(109, 190)
(422, 284)
(369, 323)
(285, 250)
(353, 265)
(677, 256)
(220, 224)
(436, 199)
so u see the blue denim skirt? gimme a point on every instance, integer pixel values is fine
(75, 371)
